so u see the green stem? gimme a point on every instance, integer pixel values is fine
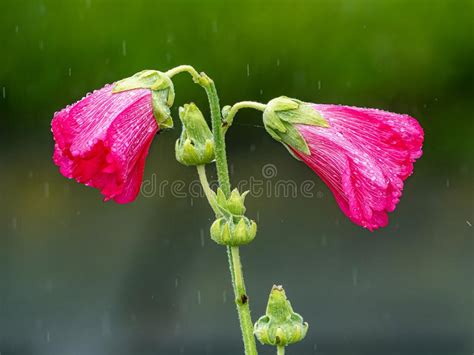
(212, 201)
(219, 142)
(280, 350)
(239, 105)
(243, 308)
(242, 302)
(201, 169)
(184, 68)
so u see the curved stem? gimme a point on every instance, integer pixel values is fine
(280, 350)
(219, 142)
(201, 169)
(184, 68)
(229, 118)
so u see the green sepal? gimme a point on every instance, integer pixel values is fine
(232, 227)
(272, 120)
(162, 90)
(161, 110)
(284, 103)
(232, 232)
(293, 138)
(280, 116)
(194, 123)
(232, 206)
(147, 79)
(195, 146)
(280, 326)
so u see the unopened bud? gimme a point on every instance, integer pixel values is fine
(280, 326)
(227, 232)
(234, 204)
(195, 146)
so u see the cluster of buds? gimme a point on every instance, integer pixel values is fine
(280, 326)
(196, 147)
(233, 228)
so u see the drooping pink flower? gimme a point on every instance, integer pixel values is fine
(364, 156)
(103, 139)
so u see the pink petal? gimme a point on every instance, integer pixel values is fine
(102, 140)
(364, 157)
(134, 181)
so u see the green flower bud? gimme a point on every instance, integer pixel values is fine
(162, 93)
(234, 205)
(280, 326)
(233, 233)
(195, 146)
(225, 112)
(282, 113)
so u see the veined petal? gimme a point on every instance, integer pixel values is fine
(363, 156)
(129, 138)
(103, 139)
(397, 137)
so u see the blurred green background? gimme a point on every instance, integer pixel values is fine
(79, 276)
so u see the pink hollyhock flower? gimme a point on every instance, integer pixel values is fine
(363, 155)
(103, 139)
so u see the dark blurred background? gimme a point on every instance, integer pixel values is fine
(83, 277)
